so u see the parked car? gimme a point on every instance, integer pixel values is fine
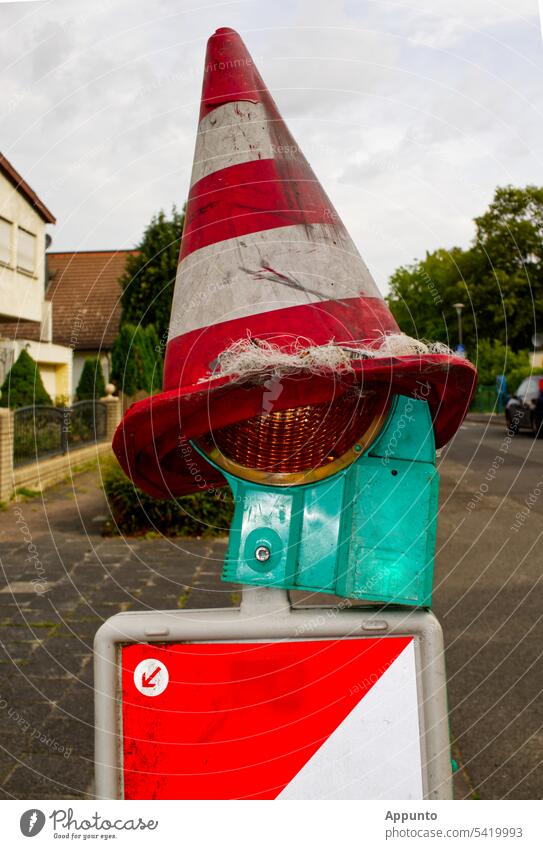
(524, 409)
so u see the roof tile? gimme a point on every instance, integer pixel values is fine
(86, 294)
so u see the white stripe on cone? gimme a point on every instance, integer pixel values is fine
(230, 135)
(375, 753)
(228, 280)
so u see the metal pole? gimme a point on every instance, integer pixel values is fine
(459, 308)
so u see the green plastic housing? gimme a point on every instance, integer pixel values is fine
(368, 532)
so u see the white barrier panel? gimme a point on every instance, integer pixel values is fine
(269, 702)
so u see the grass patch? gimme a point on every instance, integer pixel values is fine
(26, 493)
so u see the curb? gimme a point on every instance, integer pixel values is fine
(486, 418)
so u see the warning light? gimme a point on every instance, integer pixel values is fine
(359, 525)
(299, 444)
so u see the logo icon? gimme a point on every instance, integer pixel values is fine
(32, 822)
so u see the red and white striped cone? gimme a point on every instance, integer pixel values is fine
(264, 256)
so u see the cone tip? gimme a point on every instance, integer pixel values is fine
(229, 73)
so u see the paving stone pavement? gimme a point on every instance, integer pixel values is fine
(59, 580)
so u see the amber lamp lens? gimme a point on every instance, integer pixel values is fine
(299, 438)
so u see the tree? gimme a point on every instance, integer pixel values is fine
(23, 385)
(499, 279)
(422, 295)
(494, 358)
(136, 359)
(511, 230)
(91, 383)
(149, 278)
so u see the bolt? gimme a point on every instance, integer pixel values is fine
(262, 553)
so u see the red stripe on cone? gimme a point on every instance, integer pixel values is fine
(350, 320)
(230, 73)
(251, 197)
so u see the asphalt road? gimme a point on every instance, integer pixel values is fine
(489, 599)
(519, 467)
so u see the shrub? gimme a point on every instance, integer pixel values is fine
(204, 514)
(136, 359)
(23, 385)
(517, 376)
(494, 358)
(91, 383)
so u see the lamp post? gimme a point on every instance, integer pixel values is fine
(459, 308)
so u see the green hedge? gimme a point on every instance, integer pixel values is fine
(205, 514)
(91, 383)
(23, 384)
(517, 376)
(136, 360)
(485, 400)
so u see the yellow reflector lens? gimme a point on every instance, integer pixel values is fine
(287, 444)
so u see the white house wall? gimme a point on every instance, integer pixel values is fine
(22, 294)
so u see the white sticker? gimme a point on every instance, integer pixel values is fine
(151, 677)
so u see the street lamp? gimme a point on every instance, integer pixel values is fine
(459, 308)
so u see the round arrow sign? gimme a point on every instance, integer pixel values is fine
(151, 677)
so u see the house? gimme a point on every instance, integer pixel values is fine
(84, 291)
(25, 313)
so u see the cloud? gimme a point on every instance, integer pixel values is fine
(410, 113)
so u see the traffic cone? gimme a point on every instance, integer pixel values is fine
(281, 350)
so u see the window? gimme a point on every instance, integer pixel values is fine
(26, 251)
(6, 229)
(529, 388)
(523, 388)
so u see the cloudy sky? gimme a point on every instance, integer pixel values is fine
(410, 112)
